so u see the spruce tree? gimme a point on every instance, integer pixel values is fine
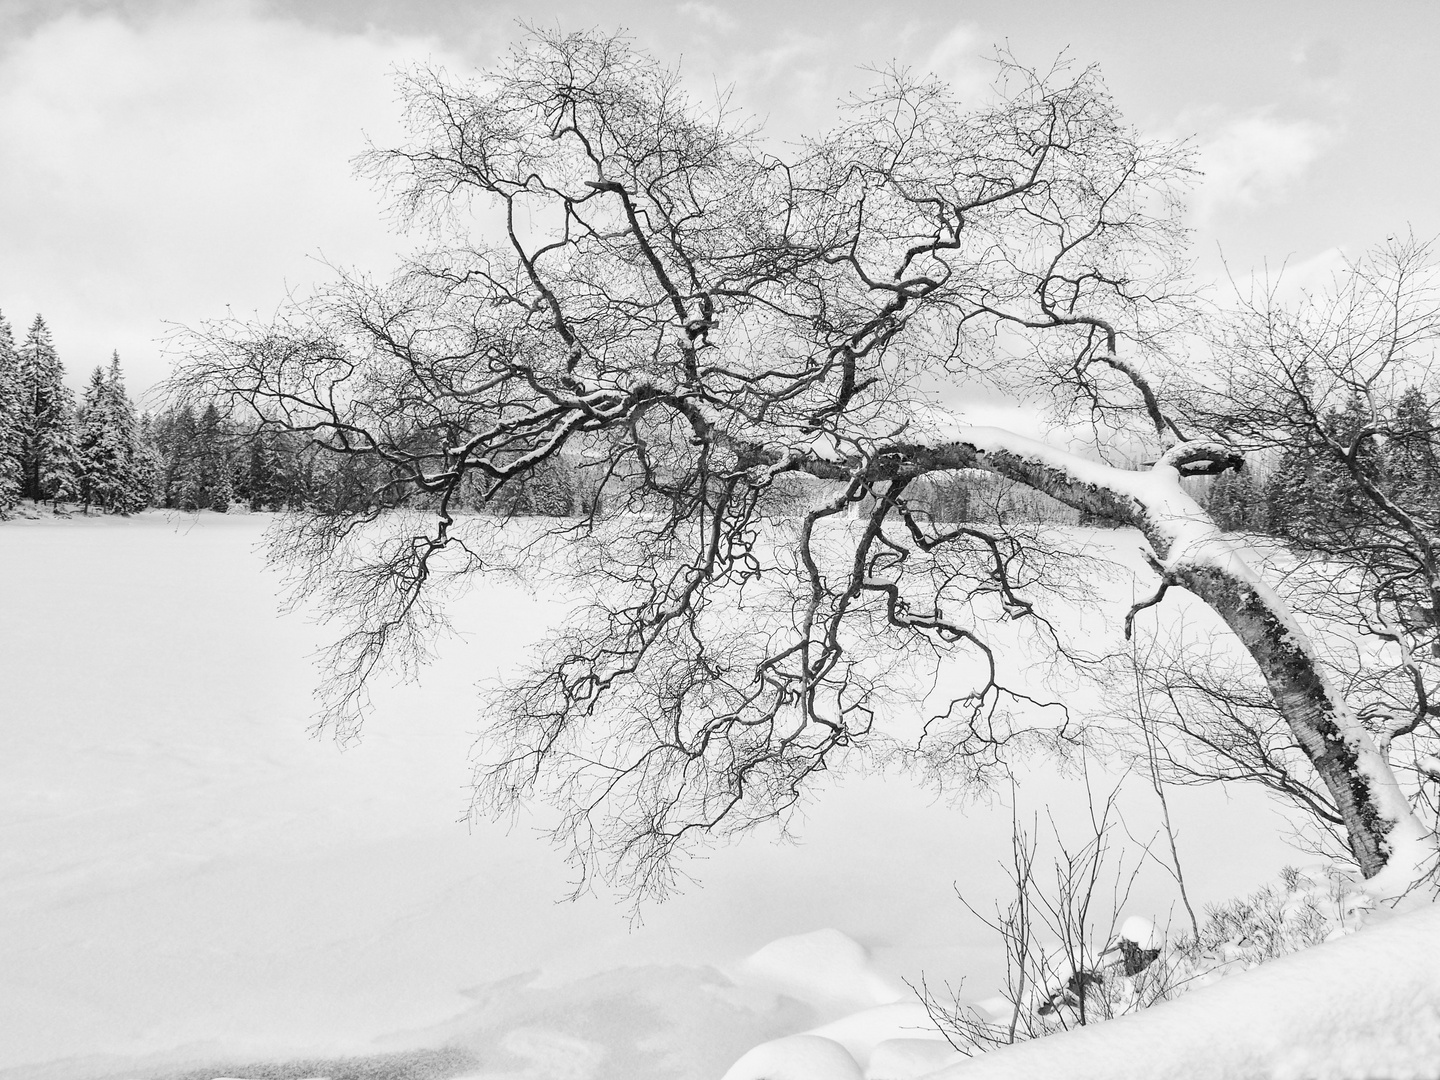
(99, 467)
(1413, 454)
(1347, 506)
(216, 487)
(1220, 501)
(185, 490)
(264, 487)
(134, 488)
(109, 445)
(11, 435)
(549, 492)
(1293, 490)
(149, 463)
(49, 450)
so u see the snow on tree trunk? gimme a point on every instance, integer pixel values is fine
(1192, 552)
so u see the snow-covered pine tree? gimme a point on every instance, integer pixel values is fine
(549, 492)
(49, 451)
(110, 470)
(1412, 453)
(264, 480)
(134, 490)
(11, 439)
(99, 457)
(149, 463)
(1237, 502)
(1294, 490)
(216, 489)
(1345, 427)
(179, 441)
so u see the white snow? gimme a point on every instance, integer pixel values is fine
(1363, 1006)
(1141, 931)
(185, 875)
(825, 967)
(891, 1042)
(906, 1059)
(892, 1038)
(796, 1057)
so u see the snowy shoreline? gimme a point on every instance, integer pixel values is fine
(185, 871)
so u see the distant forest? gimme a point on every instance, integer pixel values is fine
(102, 455)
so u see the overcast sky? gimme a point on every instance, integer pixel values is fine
(161, 160)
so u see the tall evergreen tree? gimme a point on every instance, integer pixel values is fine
(134, 490)
(264, 476)
(11, 432)
(49, 453)
(149, 464)
(183, 489)
(1344, 427)
(216, 486)
(109, 449)
(98, 456)
(1292, 491)
(1413, 453)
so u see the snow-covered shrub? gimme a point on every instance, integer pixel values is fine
(1307, 906)
(1140, 968)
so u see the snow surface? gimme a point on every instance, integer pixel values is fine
(186, 877)
(893, 1038)
(1363, 1006)
(823, 965)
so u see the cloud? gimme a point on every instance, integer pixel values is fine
(707, 15)
(161, 168)
(1320, 59)
(1291, 280)
(1250, 160)
(957, 59)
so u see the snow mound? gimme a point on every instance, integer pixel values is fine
(863, 1032)
(1363, 1006)
(830, 970)
(824, 967)
(1141, 931)
(896, 1041)
(796, 1057)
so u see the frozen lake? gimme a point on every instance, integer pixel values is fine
(186, 876)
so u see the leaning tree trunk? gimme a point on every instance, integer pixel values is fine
(1378, 821)
(1190, 551)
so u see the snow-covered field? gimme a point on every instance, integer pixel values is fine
(188, 880)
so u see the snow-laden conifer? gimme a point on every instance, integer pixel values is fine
(10, 429)
(49, 450)
(215, 487)
(109, 447)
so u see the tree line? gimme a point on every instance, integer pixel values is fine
(1307, 496)
(55, 449)
(104, 454)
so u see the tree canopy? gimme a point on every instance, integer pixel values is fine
(629, 279)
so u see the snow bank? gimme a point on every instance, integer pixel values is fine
(824, 967)
(892, 1039)
(797, 1057)
(184, 873)
(1363, 1006)
(887, 1042)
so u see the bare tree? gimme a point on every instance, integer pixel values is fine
(1338, 384)
(624, 274)
(1069, 959)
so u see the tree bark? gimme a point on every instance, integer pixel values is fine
(1192, 552)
